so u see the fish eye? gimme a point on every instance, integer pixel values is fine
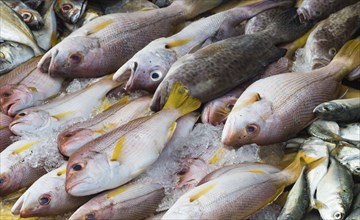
(332, 51)
(155, 75)
(338, 215)
(357, 169)
(66, 7)
(6, 94)
(75, 57)
(44, 199)
(230, 106)
(90, 216)
(2, 55)
(183, 171)
(27, 17)
(251, 128)
(22, 114)
(2, 180)
(68, 135)
(77, 167)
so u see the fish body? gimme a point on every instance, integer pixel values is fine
(130, 6)
(150, 65)
(276, 108)
(31, 17)
(71, 108)
(325, 130)
(79, 134)
(5, 132)
(341, 110)
(348, 156)
(15, 172)
(317, 10)
(14, 29)
(47, 197)
(70, 11)
(351, 132)
(13, 54)
(124, 153)
(101, 46)
(330, 35)
(132, 201)
(334, 193)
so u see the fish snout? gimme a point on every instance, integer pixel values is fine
(303, 15)
(70, 141)
(47, 60)
(130, 83)
(14, 98)
(4, 184)
(160, 96)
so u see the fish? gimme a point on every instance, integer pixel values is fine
(32, 90)
(276, 108)
(330, 35)
(119, 114)
(90, 14)
(115, 38)
(317, 10)
(349, 156)
(15, 172)
(298, 200)
(70, 11)
(196, 71)
(355, 74)
(325, 130)
(47, 197)
(34, 4)
(350, 132)
(40, 120)
(150, 65)
(132, 201)
(5, 132)
(126, 152)
(31, 17)
(130, 6)
(14, 29)
(355, 214)
(162, 3)
(340, 110)
(334, 193)
(13, 54)
(247, 192)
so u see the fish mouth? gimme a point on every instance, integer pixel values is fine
(319, 62)
(130, 83)
(303, 15)
(46, 63)
(159, 97)
(78, 13)
(69, 187)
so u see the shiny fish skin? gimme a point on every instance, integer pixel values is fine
(330, 35)
(5, 132)
(49, 187)
(132, 201)
(70, 11)
(351, 132)
(349, 156)
(79, 134)
(341, 110)
(101, 46)
(319, 9)
(325, 130)
(13, 54)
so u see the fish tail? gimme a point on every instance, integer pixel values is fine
(196, 7)
(349, 57)
(180, 99)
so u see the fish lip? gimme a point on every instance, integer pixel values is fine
(52, 69)
(69, 187)
(303, 15)
(319, 62)
(47, 61)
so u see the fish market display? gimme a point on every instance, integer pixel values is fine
(341, 110)
(5, 132)
(70, 11)
(13, 54)
(150, 65)
(104, 44)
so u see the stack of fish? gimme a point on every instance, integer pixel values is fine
(100, 106)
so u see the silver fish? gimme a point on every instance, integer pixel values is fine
(70, 11)
(349, 156)
(13, 54)
(341, 110)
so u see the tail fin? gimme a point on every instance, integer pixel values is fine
(196, 7)
(179, 99)
(349, 57)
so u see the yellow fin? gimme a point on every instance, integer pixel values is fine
(171, 130)
(105, 104)
(256, 171)
(252, 99)
(33, 89)
(53, 40)
(117, 150)
(319, 204)
(122, 101)
(100, 26)
(179, 99)
(177, 43)
(26, 146)
(63, 115)
(217, 156)
(298, 43)
(281, 200)
(106, 128)
(61, 172)
(116, 192)
(202, 192)
(348, 57)
(315, 163)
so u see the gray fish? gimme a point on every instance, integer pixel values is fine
(13, 54)
(341, 110)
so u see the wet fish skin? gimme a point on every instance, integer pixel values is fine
(350, 132)
(14, 29)
(131, 201)
(334, 193)
(355, 214)
(15, 173)
(349, 156)
(70, 11)
(5, 132)
(325, 130)
(130, 6)
(107, 42)
(78, 135)
(340, 110)
(90, 14)
(13, 54)
(31, 17)
(331, 34)
(317, 9)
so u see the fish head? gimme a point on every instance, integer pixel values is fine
(147, 69)
(311, 10)
(191, 172)
(320, 50)
(31, 122)
(70, 11)
(217, 111)
(332, 210)
(94, 209)
(161, 95)
(12, 177)
(11, 53)
(249, 124)
(32, 18)
(71, 140)
(5, 183)
(77, 55)
(327, 107)
(38, 202)
(14, 98)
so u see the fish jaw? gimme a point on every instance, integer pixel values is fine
(33, 19)
(70, 141)
(193, 173)
(14, 98)
(217, 111)
(234, 133)
(160, 96)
